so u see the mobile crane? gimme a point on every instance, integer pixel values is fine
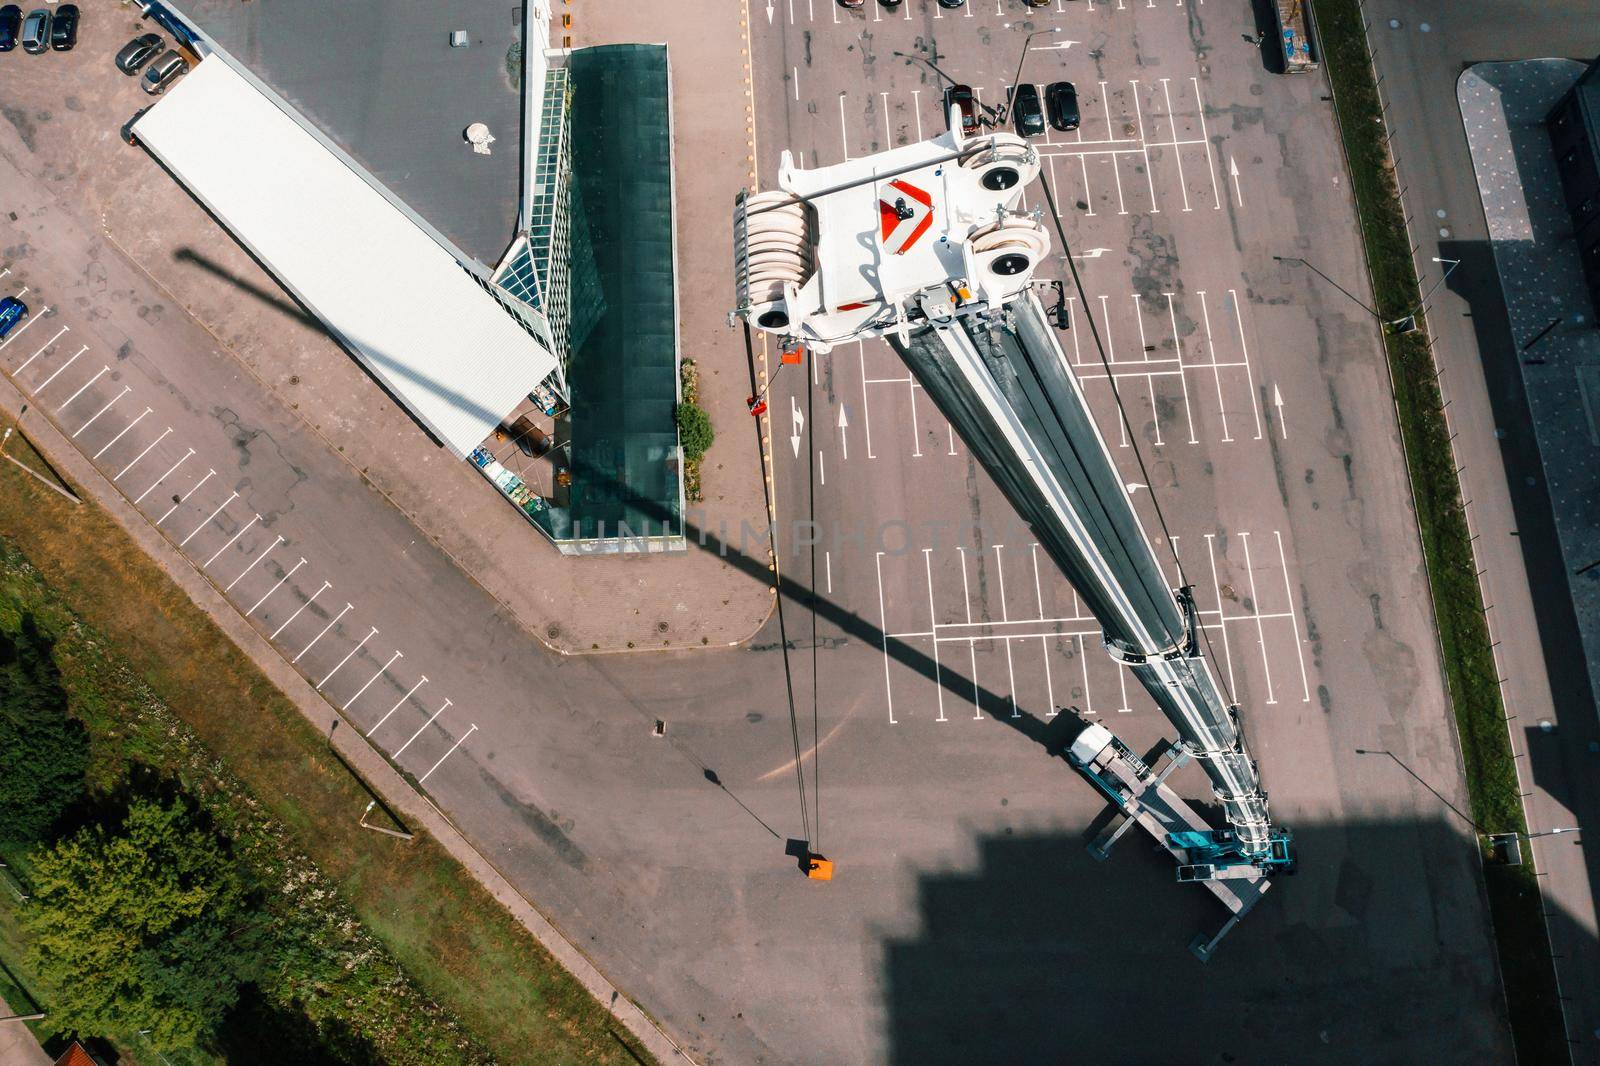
(925, 246)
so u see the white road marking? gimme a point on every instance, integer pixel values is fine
(1233, 172)
(242, 531)
(276, 587)
(827, 565)
(1000, 577)
(1177, 344)
(181, 499)
(1088, 693)
(163, 477)
(966, 590)
(1261, 632)
(822, 467)
(423, 779)
(107, 445)
(397, 704)
(164, 435)
(374, 677)
(1144, 147)
(1216, 371)
(883, 635)
(251, 565)
(347, 609)
(1177, 153)
(59, 369)
(1216, 587)
(20, 330)
(843, 140)
(796, 69)
(348, 655)
(1244, 349)
(326, 585)
(797, 422)
(442, 708)
(866, 408)
(97, 376)
(844, 438)
(1277, 401)
(1144, 345)
(1211, 167)
(207, 521)
(1283, 564)
(933, 620)
(109, 404)
(916, 98)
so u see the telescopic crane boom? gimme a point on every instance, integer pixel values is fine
(923, 245)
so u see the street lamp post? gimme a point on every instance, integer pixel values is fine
(1016, 82)
(1424, 301)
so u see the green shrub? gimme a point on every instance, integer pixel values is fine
(694, 431)
(44, 752)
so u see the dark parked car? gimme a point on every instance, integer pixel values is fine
(36, 32)
(137, 52)
(1062, 101)
(960, 96)
(852, 4)
(10, 26)
(891, 4)
(64, 28)
(163, 71)
(1025, 112)
(12, 311)
(951, 3)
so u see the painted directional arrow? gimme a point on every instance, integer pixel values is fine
(769, 12)
(1233, 172)
(1277, 401)
(798, 421)
(844, 438)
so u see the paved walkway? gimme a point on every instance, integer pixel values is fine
(17, 1045)
(1503, 106)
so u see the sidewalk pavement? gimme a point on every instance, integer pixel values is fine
(66, 114)
(17, 1045)
(350, 743)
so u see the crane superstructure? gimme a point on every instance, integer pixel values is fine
(925, 246)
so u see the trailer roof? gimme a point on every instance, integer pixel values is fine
(415, 318)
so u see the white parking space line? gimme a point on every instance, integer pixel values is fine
(933, 621)
(164, 435)
(883, 636)
(1177, 344)
(107, 445)
(397, 704)
(58, 371)
(207, 521)
(82, 388)
(179, 502)
(1177, 152)
(1211, 350)
(251, 565)
(424, 778)
(265, 596)
(326, 585)
(1211, 167)
(242, 531)
(347, 609)
(347, 657)
(1261, 633)
(420, 729)
(381, 671)
(109, 404)
(1144, 147)
(1244, 347)
(844, 140)
(1299, 644)
(163, 477)
(20, 330)
(1216, 589)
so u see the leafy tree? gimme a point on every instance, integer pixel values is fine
(43, 751)
(145, 925)
(694, 431)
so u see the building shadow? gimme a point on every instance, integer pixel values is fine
(1378, 951)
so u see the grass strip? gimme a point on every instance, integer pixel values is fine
(459, 946)
(1515, 903)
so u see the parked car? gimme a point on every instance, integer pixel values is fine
(10, 26)
(137, 52)
(951, 3)
(890, 4)
(853, 5)
(64, 28)
(1061, 99)
(163, 71)
(960, 96)
(12, 311)
(36, 32)
(1025, 111)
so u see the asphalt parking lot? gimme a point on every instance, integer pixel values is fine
(966, 921)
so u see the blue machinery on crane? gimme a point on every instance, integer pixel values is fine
(923, 245)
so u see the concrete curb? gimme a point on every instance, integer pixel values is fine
(349, 743)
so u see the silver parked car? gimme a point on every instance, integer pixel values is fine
(163, 72)
(36, 31)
